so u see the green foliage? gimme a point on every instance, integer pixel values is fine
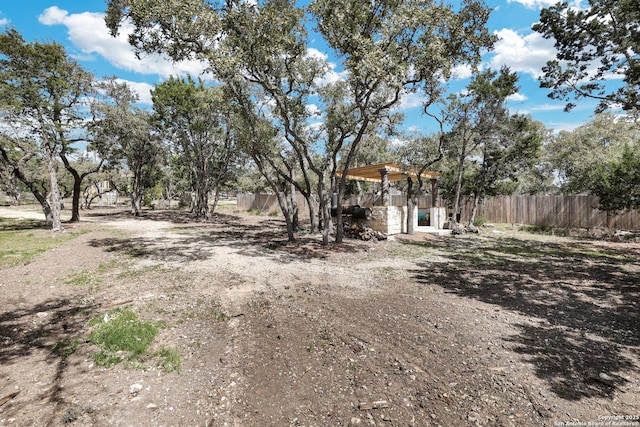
(199, 121)
(127, 136)
(479, 220)
(617, 182)
(45, 91)
(386, 48)
(66, 347)
(121, 335)
(170, 359)
(593, 43)
(576, 155)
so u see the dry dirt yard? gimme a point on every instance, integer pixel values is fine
(503, 328)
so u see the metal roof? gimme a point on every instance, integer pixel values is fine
(396, 173)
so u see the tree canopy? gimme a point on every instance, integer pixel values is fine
(43, 99)
(598, 53)
(386, 48)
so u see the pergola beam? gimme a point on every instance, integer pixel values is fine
(394, 173)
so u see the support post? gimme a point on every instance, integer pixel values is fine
(386, 194)
(434, 193)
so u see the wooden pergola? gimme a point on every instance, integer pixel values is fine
(394, 172)
(387, 172)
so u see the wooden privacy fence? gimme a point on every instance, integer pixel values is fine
(556, 211)
(269, 203)
(546, 211)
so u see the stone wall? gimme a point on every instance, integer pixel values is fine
(391, 219)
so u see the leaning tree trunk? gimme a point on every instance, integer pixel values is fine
(54, 190)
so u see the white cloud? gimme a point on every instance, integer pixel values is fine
(411, 100)
(88, 33)
(461, 72)
(313, 110)
(517, 97)
(143, 90)
(547, 107)
(331, 76)
(526, 54)
(4, 22)
(534, 4)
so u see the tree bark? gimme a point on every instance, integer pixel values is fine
(54, 190)
(411, 204)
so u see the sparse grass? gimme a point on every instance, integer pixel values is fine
(122, 335)
(82, 278)
(21, 240)
(91, 277)
(170, 359)
(545, 230)
(205, 312)
(260, 307)
(385, 272)
(134, 272)
(320, 344)
(66, 347)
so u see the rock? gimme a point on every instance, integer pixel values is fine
(472, 229)
(355, 421)
(134, 389)
(152, 406)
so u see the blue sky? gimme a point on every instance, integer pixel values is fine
(79, 26)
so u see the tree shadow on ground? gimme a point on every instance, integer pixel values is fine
(197, 241)
(583, 302)
(49, 331)
(16, 224)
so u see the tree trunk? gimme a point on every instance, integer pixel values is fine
(18, 172)
(282, 202)
(54, 191)
(313, 214)
(279, 196)
(472, 218)
(411, 203)
(216, 199)
(325, 213)
(75, 199)
(458, 187)
(293, 205)
(136, 194)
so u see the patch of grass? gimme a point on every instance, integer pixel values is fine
(21, 242)
(82, 278)
(260, 307)
(170, 359)
(205, 312)
(91, 277)
(66, 347)
(120, 334)
(479, 220)
(255, 211)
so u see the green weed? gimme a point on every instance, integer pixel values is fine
(121, 335)
(170, 359)
(66, 347)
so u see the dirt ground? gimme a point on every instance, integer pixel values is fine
(497, 329)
